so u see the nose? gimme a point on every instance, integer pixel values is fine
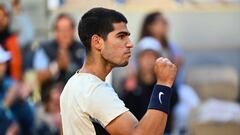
(129, 44)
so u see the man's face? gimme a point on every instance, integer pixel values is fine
(117, 46)
(64, 32)
(2, 70)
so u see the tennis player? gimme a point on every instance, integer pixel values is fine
(89, 105)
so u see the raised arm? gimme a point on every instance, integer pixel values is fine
(154, 121)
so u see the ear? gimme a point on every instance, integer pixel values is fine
(96, 42)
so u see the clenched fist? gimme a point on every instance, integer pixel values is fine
(165, 71)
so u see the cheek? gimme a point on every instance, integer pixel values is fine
(113, 49)
(110, 54)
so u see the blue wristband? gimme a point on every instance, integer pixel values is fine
(160, 99)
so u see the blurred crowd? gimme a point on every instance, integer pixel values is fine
(32, 79)
(137, 86)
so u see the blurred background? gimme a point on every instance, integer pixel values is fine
(40, 50)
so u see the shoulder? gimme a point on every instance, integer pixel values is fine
(104, 85)
(50, 48)
(105, 96)
(47, 44)
(92, 86)
(105, 105)
(85, 83)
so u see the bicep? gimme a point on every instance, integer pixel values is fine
(125, 124)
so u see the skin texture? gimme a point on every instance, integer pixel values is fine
(115, 52)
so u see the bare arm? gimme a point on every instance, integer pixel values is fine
(153, 123)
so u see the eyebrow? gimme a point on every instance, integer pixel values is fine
(124, 33)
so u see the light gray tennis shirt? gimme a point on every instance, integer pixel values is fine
(86, 98)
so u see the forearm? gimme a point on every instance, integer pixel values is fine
(153, 123)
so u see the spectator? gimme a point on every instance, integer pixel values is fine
(156, 25)
(48, 114)
(10, 43)
(13, 103)
(22, 106)
(58, 59)
(23, 26)
(7, 95)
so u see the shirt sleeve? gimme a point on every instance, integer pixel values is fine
(105, 105)
(41, 60)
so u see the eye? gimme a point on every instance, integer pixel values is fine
(121, 36)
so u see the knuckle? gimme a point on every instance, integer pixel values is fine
(174, 66)
(165, 59)
(159, 59)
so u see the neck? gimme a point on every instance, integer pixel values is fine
(96, 66)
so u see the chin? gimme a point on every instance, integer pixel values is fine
(122, 64)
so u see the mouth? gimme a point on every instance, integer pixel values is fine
(128, 53)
